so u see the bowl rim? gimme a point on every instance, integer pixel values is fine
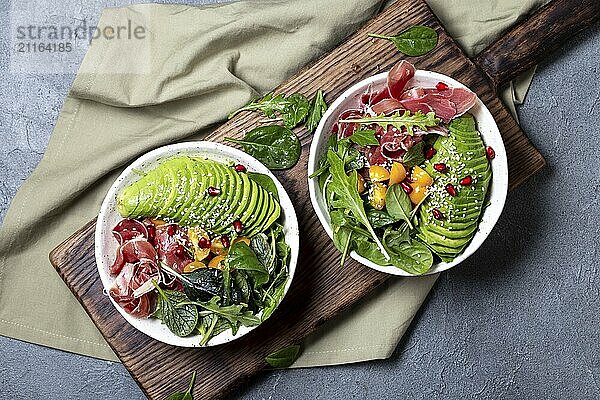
(204, 149)
(499, 181)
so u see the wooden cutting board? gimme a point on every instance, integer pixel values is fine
(319, 290)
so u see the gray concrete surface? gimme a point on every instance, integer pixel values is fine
(518, 320)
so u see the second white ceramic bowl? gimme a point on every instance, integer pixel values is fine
(486, 126)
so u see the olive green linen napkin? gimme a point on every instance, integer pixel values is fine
(193, 67)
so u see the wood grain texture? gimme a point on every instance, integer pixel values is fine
(320, 291)
(528, 43)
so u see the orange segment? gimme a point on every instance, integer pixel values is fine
(418, 193)
(377, 195)
(378, 174)
(216, 262)
(216, 247)
(241, 239)
(420, 177)
(193, 266)
(194, 234)
(397, 174)
(360, 184)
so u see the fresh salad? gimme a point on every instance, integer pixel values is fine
(201, 247)
(406, 174)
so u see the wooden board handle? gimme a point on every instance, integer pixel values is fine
(527, 43)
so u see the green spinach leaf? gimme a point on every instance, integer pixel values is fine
(283, 358)
(180, 319)
(265, 250)
(415, 155)
(379, 218)
(187, 395)
(413, 257)
(415, 41)
(317, 109)
(242, 258)
(275, 146)
(266, 182)
(398, 204)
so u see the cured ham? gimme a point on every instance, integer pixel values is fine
(447, 104)
(133, 251)
(128, 229)
(122, 292)
(387, 106)
(398, 77)
(170, 242)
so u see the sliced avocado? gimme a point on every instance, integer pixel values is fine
(194, 213)
(255, 203)
(170, 167)
(223, 223)
(209, 202)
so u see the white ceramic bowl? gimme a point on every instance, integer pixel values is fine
(106, 245)
(486, 126)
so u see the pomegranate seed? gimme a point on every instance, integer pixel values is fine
(466, 181)
(430, 152)
(491, 154)
(437, 214)
(171, 230)
(179, 251)
(441, 86)
(204, 243)
(225, 240)
(237, 226)
(406, 187)
(440, 167)
(213, 191)
(151, 233)
(451, 189)
(239, 168)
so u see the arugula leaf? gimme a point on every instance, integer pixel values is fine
(187, 395)
(266, 182)
(399, 121)
(275, 146)
(180, 319)
(274, 294)
(398, 204)
(317, 109)
(233, 313)
(415, 155)
(210, 326)
(364, 137)
(414, 41)
(346, 188)
(241, 257)
(293, 109)
(283, 358)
